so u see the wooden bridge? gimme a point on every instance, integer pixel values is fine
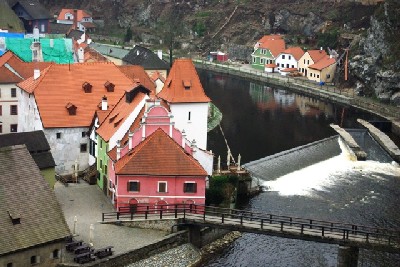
(343, 234)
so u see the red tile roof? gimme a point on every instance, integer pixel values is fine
(92, 55)
(80, 14)
(323, 63)
(289, 70)
(274, 43)
(272, 65)
(62, 84)
(118, 115)
(183, 73)
(139, 75)
(23, 70)
(159, 154)
(316, 55)
(296, 52)
(156, 75)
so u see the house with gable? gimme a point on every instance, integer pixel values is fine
(32, 225)
(309, 58)
(155, 115)
(266, 50)
(33, 14)
(146, 58)
(12, 71)
(187, 100)
(287, 61)
(115, 125)
(323, 70)
(159, 81)
(78, 19)
(156, 172)
(61, 101)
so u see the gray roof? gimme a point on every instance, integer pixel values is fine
(58, 28)
(35, 9)
(75, 34)
(36, 144)
(109, 50)
(24, 193)
(146, 58)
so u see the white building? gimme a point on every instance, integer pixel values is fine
(61, 101)
(287, 61)
(81, 19)
(187, 100)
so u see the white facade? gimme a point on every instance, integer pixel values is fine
(68, 145)
(286, 61)
(8, 107)
(205, 158)
(28, 114)
(93, 142)
(192, 117)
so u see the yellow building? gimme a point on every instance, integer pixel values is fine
(323, 70)
(309, 58)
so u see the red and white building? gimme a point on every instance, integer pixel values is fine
(77, 18)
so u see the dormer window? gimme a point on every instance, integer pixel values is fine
(113, 118)
(87, 87)
(117, 122)
(71, 109)
(15, 218)
(109, 86)
(187, 84)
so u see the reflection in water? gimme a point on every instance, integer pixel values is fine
(259, 121)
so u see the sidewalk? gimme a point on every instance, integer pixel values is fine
(87, 202)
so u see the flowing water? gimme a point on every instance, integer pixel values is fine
(259, 121)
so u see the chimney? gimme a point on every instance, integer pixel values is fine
(118, 149)
(130, 145)
(81, 55)
(36, 74)
(330, 56)
(321, 48)
(183, 138)
(75, 25)
(104, 104)
(159, 54)
(194, 146)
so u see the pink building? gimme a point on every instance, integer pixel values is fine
(155, 164)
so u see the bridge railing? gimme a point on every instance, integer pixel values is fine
(257, 220)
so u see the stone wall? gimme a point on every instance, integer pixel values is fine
(170, 241)
(163, 225)
(239, 52)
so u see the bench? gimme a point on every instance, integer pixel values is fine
(70, 246)
(103, 252)
(81, 249)
(84, 257)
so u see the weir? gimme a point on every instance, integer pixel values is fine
(277, 165)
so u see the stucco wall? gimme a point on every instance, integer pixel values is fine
(292, 61)
(304, 62)
(196, 127)
(45, 253)
(322, 76)
(5, 102)
(66, 149)
(28, 114)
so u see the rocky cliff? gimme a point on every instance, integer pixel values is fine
(234, 25)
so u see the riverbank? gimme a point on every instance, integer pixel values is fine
(306, 87)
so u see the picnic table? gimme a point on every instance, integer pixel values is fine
(81, 249)
(103, 252)
(70, 246)
(84, 257)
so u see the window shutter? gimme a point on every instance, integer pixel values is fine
(195, 188)
(138, 186)
(128, 187)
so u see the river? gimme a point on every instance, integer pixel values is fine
(259, 121)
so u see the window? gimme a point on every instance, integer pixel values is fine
(10, 264)
(190, 187)
(262, 61)
(35, 260)
(308, 61)
(13, 128)
(42, 27)
(318, 76)
(13, 110)
(55, 254)
(1, 128)
(83, 148)
(254, 60)
(310, 74)
(1, 110)
(328, 76)
(290, 57)
(304, 61)
(105, 169)
(283, 56)
(293, 66)
(189, 116)
(133, 186)
(287, 65)
(162, 187)
(58, 135)
(13, 92)
(83, 134)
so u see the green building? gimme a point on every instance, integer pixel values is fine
(266, 51)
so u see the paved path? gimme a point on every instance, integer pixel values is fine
(87, 202)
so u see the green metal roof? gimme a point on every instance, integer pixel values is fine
(60, 52)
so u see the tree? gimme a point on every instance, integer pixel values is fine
(128, 35)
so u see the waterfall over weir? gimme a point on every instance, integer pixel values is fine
(277, 165)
